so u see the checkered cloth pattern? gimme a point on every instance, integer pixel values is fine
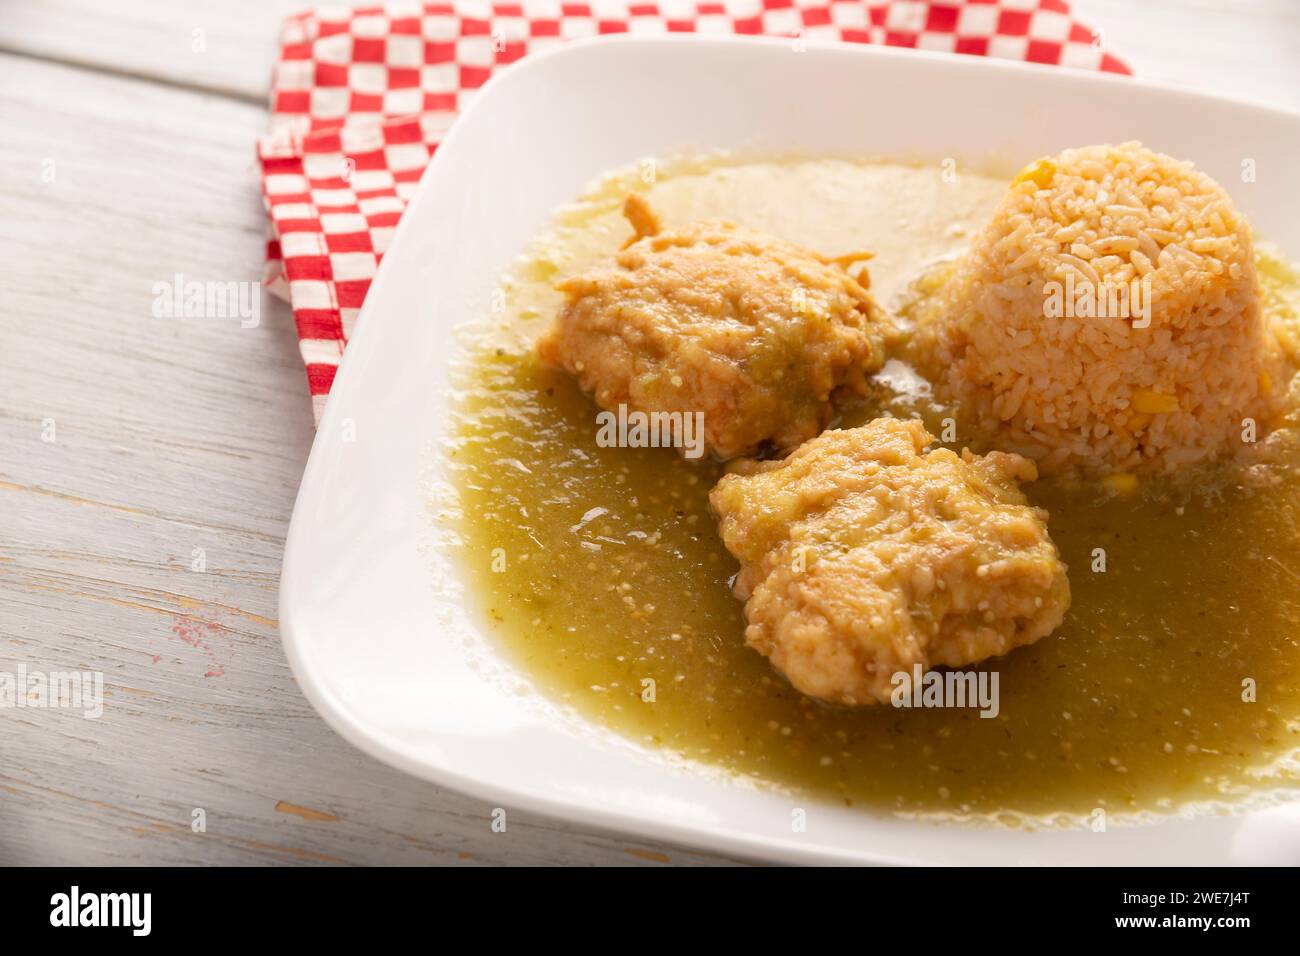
(362, 97)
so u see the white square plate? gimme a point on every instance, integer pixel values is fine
(374, 620)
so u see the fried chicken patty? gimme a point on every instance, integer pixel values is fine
(861, 556)
(755, 333)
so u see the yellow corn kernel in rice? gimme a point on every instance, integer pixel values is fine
(1121, 484)
(1040, 173)
(1150, 402)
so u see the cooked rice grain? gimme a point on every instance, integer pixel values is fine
(1101, 395)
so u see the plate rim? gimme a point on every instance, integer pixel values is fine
(735, 842)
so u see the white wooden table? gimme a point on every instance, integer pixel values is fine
(126, 156)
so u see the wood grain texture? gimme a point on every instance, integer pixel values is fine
(1246, 49)
(1242, 48)
(214, 46)
(128, 159)
(171, 435)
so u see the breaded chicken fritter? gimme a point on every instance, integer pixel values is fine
(861, 556)
(756, 333)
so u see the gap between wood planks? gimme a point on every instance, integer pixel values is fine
(88, 66)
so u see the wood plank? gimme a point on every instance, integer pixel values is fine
(1244, 49)
(225, 47)
(171, 435)
(175, 434)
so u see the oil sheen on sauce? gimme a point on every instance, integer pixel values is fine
(600, 569)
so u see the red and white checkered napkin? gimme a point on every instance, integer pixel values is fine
(362, 97)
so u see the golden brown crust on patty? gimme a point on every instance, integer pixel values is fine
(862, 556)
(756, 333)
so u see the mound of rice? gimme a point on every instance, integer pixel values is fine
(1128, 391)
